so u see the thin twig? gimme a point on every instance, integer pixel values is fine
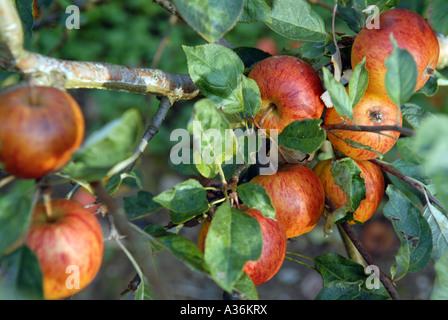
(137, 244)
(415, 184)
(345, 226)
(349, 127)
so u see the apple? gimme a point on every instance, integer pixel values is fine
(84, 197)
(371, 110)
(290, 90)
(273, 251)
(374, 181)
(412, 33)
(69, 246)
(268, 45)
(40, 128)
(297, 195)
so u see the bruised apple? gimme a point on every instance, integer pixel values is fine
(273, 250)
(68, 243)
(40, 128)
(374, 181)
(290, 90)
(412, 33)
(297, 195)
(371, 110)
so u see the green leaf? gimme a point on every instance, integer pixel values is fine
(181, 247)
(25, 10)
(312, 50)
(437, 10)
(358, 83)
(232, 239)
(107, 147)
(186, 200)
(338, 94)
(352, 14)
(15, 213)
(246, 286)
(140, 205)
(440, 289)
(213, 140)
(438, 222)
(347, 175)
(218, 72)
(250, 55)
(412, 229)
(296, 20)
(256, 10)
(306, 136)
(251, 97)
(430, 143)
(115, 182)
(211, 19)
(414, 114)
(346, 279)
(255, 196)
(401, 74)
(20, 275)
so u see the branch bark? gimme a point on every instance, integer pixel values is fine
(68, 74)
(348, 230)
(415, 184)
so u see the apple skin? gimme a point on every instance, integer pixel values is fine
(290, 90)
(412, 33)
(297, 195)
(272, 254)
(373, 178)
(84, 197)
(72, 236)
(40, 128)
(371, 110)
(268, 45)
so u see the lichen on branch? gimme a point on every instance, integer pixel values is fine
(71, 74)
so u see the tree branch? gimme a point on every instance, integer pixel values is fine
(349, 127)
(415, 184)
(68, 74)
(345, 226)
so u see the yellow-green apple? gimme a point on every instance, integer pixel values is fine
(371, 110)
(68, 242)
(290, 90)
(374, 181)
(273, 250)
(40, 128)
(297, 195)
(412, 33)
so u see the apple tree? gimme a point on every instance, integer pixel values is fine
(345, 120)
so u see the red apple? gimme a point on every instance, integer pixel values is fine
(273, 251)
(40, 128)
(297, 195)
(290, 90)
(84, 197)
(268, 45)
(372, 110)
(374, 181)
(69, 246)
(412, 33)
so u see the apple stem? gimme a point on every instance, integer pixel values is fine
(270, 109)
(47, 203)
(6, 180)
